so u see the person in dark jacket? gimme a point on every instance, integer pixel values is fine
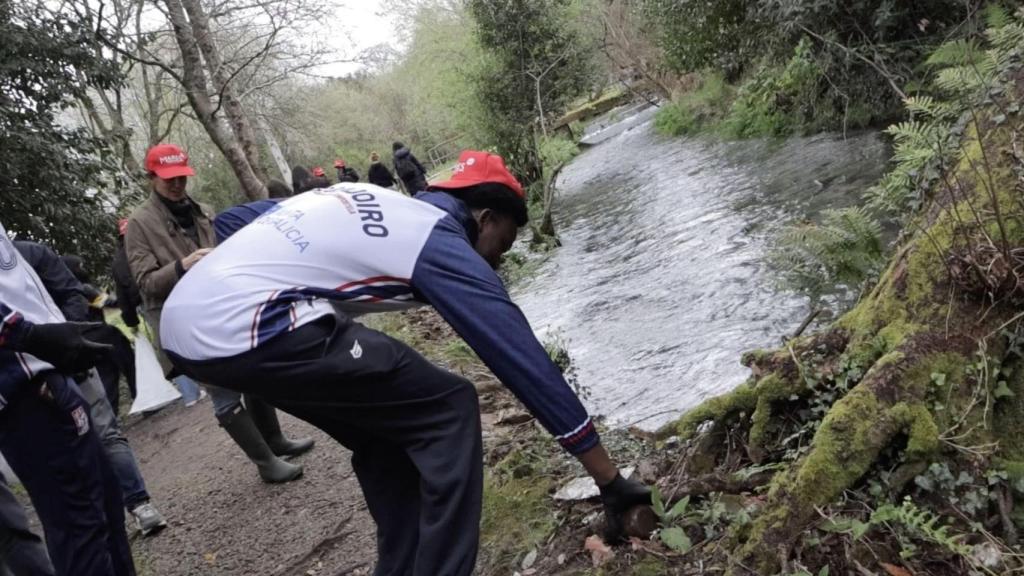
(67, 293)
(300, 178)
(278, 189)
(128, 297)
(45, 432)
(121, 360)
(345, 173)
(94, 297)
(379, 173)
(409, 169)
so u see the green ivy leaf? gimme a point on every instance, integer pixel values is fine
(676, 539)
(679, 509)
(1002, 390)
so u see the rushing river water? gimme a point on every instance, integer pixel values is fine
(662, 281)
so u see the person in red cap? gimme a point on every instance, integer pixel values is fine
(270, 313)
(345, 173)
(166, 237)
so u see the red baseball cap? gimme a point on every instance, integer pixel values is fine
(318, 171)
(339, 163)
(122, 226)
(168, 161)
(475, 167)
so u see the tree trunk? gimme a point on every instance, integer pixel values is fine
(196, 89)
(547, 223)
(221, 77)
(540, 107)
(275, 151)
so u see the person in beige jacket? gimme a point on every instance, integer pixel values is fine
(166, 236)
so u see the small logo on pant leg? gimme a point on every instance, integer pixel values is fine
(81, 420)
(356, 351)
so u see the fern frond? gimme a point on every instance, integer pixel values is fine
(961, 52)
(996, 16)
(962, 80)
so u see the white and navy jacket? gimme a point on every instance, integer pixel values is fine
(23, 301)
(366, 249)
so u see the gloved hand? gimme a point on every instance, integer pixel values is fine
(618, 496)
(64, 345)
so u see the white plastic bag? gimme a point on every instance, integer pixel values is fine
(153, 391)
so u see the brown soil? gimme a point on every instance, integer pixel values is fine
(225, 521)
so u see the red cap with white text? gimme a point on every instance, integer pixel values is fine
(168, 161)
(475, 167)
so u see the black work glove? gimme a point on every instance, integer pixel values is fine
(618, 496)
(64, 345)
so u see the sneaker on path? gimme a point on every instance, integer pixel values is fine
(202, 394)
(148, 519)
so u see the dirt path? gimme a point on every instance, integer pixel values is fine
(225, 521)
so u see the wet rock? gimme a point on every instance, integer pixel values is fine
(647, 471)
(511, 418)
(640, 521)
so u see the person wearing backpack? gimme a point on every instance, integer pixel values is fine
(412, 174)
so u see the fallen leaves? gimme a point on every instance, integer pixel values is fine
(894, 570)
(599, 551)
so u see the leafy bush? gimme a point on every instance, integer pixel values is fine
(776, 101)
(556, 150)
(695, 35)
(863, 53)
(58, 185)
(533, 67)
(695, 111)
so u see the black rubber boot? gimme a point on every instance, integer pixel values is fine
(239, 425)
(265, 417)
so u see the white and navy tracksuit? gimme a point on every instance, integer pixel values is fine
(49, 442)
(267, 312)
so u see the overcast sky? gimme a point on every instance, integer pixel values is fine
(366, 25)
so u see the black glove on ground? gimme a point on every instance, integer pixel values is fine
(618, 496)
(64, 345)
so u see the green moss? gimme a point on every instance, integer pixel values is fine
(649, 566)
(875, 311)
(922, 432)
(770, 389)
(587, 109)
(926, 264)
(754, 357)
(896, 333)
(742, 399)
(919, 379)
(517, 517)
(844, 446)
